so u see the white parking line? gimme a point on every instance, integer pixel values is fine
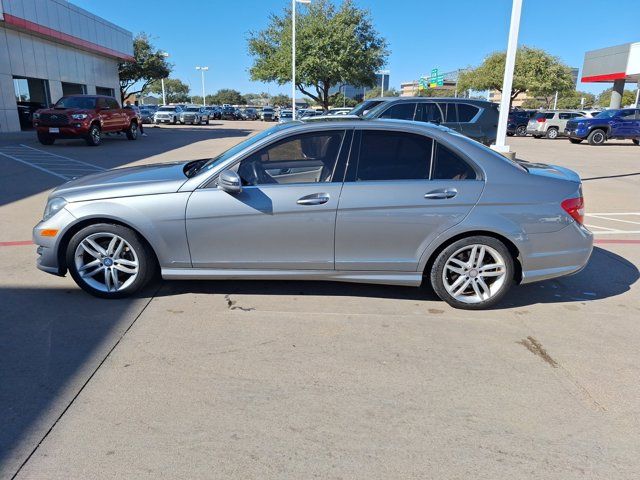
(595, 222)
(602, 217)
(51, 163)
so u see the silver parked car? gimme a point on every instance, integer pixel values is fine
(551, 123)
(373, 201)
(167, 114)
(194, 115)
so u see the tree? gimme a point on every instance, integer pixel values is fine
(339, 100)
(227, 95)
(574, 100)
(257, 98)
(334, 46)
(175, 90)
(536, 72)
(375, 93)
(148, 66)
(436, 92)
(628, 98)
(281, 100)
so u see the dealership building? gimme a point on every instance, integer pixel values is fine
(51, 48)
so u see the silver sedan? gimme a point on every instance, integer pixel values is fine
(379, 201)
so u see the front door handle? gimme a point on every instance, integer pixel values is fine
(442, 194)
(314, 199)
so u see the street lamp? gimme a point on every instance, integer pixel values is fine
(512, 47)
(164, 97)
(293, 55)
(202, 70)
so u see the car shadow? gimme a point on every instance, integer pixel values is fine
(606, 275)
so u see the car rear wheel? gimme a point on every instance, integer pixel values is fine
(45, 139)
(473, 273)
(109, 261)
(552, 133)
(132, 131)
(597, 137)
(575, 140)
(521, 131)
(94, 137)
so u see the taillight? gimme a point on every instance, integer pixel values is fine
(541, 120)
(575, 208)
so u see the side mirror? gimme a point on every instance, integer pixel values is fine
(229, 181)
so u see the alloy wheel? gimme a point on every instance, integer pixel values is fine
(474, 273)
(106, 262)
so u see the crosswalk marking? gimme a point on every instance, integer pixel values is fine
(57, 165)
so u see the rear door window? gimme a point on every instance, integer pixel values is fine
(449, 112)
(113, 103)
(448, 165)
(466, 112)
(400, 111)
(388, 155)
(564, 116)
(429, 112)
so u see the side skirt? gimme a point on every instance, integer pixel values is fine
(411, 279)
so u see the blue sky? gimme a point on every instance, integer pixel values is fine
(421, 35)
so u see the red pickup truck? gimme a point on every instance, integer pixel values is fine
(85, 116)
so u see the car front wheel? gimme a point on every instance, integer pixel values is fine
(109, 261)
(132, 131)
(95, 136)
(473, 273)
(45, 139)
(597, 137)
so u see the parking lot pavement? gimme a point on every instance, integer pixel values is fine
(298, 380)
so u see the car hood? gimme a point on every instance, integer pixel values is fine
(124, 182)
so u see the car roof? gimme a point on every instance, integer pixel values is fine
(431, 99)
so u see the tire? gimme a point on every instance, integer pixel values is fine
(45, 139)
(521, 131)
(132, 131)
(552, 133)
(94, 138)
(207, 122)
(130, 277)
(473, 296)
(636, 141)
(536, 136)
(575, 140)
(597, 137)
(509, 134)
(174, 120)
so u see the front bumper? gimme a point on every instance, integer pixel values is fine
(555, 254)
(48, 247)
(73, 130)
(574, 133)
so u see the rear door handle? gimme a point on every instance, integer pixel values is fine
(442, 194)
(314, 199)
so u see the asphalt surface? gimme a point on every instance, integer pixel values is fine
(316, 380)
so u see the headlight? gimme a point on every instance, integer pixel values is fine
(53, 206)
(79, 116)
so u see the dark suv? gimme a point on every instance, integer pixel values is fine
(517, 122)
(623, 124)
(476, 119)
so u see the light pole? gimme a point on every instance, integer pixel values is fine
(505, 101)
(293, 55)
(164, 97)
(202, 70)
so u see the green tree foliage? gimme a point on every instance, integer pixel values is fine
(149, 65)
(574, 99)
(436, 92)
(628, 98)
(281, 100)
(375, 93)
(175, 90)
(536, 72)
(257, 98)
(333, 45)
(339, 100)
(226, 95)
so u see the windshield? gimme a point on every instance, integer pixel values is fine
(166, 109)
(606, 114)
(88, 103)
(238, 148)
(365, 107)
(193, 109)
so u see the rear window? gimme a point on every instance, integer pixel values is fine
(546, 115)
(449, 166)
(466, 112)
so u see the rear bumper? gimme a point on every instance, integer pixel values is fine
(556, 254)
